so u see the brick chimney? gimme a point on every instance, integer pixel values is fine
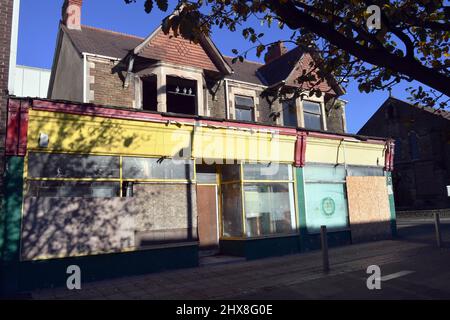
(71, 14)
(274, 51)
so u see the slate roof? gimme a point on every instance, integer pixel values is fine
(102, 42)
(280, 68)
(118, 45)
(245, 71)
(437, 112)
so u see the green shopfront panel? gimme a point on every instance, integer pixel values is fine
(325, 197)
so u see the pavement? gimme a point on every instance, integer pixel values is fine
(412, 267)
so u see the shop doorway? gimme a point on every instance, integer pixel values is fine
(207, 210)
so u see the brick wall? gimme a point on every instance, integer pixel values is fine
(216, 99)
(6, 11)
(177, 50)
(106, 87)
(419, 182)
(335, 117)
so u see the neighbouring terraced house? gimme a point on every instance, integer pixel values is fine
(151, 152)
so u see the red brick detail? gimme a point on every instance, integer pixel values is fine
(300, 150)
(179, 51)
(70, 17)
(305, 64)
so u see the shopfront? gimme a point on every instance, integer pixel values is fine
(103, 184)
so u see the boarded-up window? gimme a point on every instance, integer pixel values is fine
(369, 208)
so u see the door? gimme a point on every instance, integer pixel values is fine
(207, 217)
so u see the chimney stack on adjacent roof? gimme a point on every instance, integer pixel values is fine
(71, 14)
(276, 50)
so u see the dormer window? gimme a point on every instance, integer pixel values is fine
(312, 115)
(244, 108)
(181, 95)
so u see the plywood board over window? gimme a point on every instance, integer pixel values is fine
(369, 210)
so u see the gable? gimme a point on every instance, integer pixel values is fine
(305, 64)
(177, 50)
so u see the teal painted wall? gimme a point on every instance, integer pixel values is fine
(10, 222)
(301, 207)
(11, 215)
(311, 241)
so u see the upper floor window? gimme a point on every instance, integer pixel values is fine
(149, 93)
(289, 113)
(244, 108)
(181, 95)
(312, 115)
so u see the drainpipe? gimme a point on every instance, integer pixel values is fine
(227, 104)
(85, 99)
(129, 72)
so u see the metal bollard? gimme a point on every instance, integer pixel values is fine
(437, 225)
(324, 241)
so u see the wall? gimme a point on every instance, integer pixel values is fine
(6, 12)
(216, 99)
(67, 73)
(335, 116)
(68, 227)
(340, 151)
(107, 87)
(418, 183)
(86, 134)
(31, 82)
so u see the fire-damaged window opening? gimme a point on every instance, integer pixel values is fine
(181, 95)
(149, 93)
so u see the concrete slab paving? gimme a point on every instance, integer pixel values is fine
(297, 276)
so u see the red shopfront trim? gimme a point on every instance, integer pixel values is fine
(94, 110)
(389, 155)
(300, 149)
(17, 128)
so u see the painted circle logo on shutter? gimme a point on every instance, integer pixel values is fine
(328, 206)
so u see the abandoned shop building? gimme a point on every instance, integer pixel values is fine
(422, 152)
(152, 152)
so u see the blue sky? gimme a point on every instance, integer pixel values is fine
(38, 28)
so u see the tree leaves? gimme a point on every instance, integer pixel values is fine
(413, 42)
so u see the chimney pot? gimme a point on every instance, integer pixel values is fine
(71, 14)
(275, 51)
